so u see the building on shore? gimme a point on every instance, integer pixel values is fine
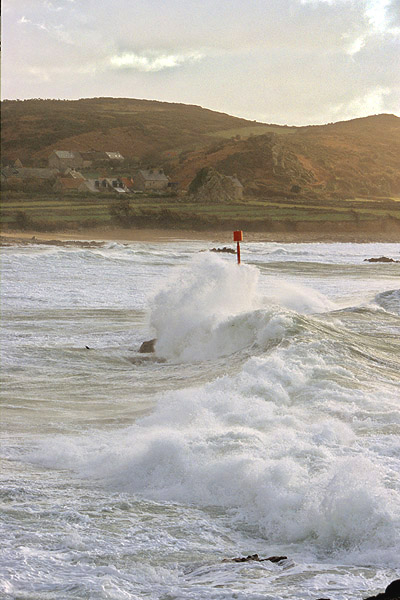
(64, 159)
(147, 180)
(68, 184)
(29, 172)
(94, 158)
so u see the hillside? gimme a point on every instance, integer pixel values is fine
(354, 158)
(31, 129)
(360, 157)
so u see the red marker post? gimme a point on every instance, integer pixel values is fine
(238, 237)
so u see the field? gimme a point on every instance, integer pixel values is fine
(79, 212)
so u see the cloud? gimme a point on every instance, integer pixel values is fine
(356, 45)
(371, 103)
(376, 12)
(148, 64)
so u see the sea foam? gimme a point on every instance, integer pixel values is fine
(268, 445)
(280, 445)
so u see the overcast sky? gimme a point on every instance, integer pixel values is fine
(278, 61)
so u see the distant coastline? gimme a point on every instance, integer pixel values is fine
(170, 235)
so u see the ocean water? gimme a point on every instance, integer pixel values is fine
(267, 421)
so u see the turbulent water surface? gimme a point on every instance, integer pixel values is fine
(267, 421)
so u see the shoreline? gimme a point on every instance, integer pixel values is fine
(99, 236)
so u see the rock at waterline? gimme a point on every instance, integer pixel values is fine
(392, 592)
(382, 259)
(224, 249)
(255, 557)
(147, 346)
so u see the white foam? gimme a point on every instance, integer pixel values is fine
(274, 444)
(211, 307)
(297, 297)
(193, 314)
(281, 445)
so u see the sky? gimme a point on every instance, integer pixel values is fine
(294, 62)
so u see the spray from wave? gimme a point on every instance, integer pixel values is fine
(212, 308)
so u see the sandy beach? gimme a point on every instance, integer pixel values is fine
(170, 235)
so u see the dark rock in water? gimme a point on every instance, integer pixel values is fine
(393, 589)
(383, 259)
(147, 346)
(256, 558)
(392, 592)
(224, 249)
(275, 559)
(246, 558)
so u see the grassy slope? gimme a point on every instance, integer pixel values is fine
(33, 128)
(74, 212)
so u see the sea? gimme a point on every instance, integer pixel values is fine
(266, 421)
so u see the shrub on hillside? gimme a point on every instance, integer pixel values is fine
(122, 212)
(22, 221)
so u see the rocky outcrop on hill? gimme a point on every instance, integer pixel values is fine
(211, 186)
(266, 161)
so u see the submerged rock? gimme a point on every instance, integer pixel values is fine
(147, 346)
(392, 592)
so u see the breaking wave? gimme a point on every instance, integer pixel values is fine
(280, 445)
(212, 308)
(389, 300)
(288, 444)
